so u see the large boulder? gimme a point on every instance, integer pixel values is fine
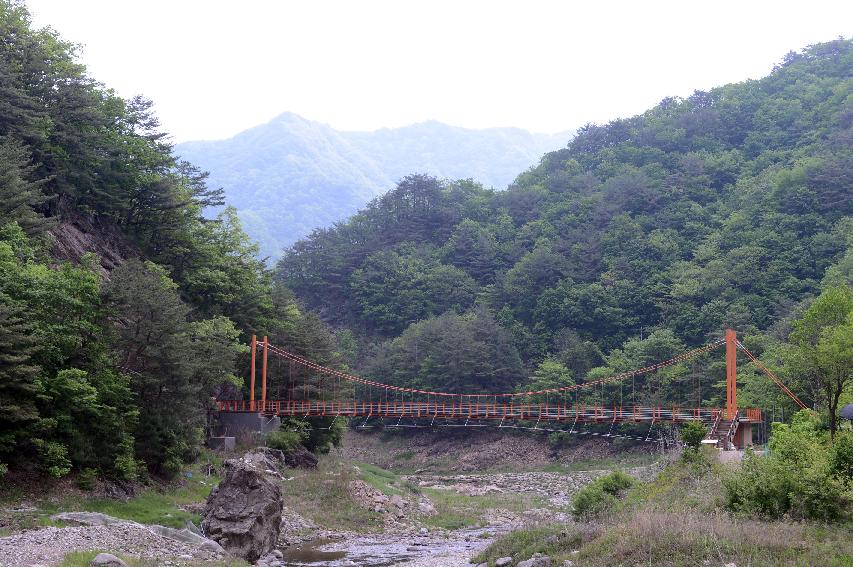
(243, 513)
(300, 458)
(297, 458)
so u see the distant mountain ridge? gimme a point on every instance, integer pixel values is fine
(291, 175)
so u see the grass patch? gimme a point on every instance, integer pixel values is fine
(689, 484)
(622, 462)
(322, 495)
(455, 511)
(159, 504)
(405, 456)
(677, 520)
(83, 558)
(147, 508)
(556, 541)
(382, 480)
(691, 538)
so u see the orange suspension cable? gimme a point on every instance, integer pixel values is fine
(772, 376)
(616, 377)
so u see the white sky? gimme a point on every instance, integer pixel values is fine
(215, 68)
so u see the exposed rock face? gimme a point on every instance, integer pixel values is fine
(300, 458)
(243, 513)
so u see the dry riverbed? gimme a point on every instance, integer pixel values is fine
(343, 513)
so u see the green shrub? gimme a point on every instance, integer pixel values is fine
(86, 479)
(317, 434)
(692, 433)
(285, 441)
(761, 487)
(592, 501)
(615, 482)
(817, 495)
(327, 432)
(559, 440)
(54, 457)
(600, 495)
(841, 458)
(127, 468)
(3, 469)
(802, 476)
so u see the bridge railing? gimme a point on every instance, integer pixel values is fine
(471, 410)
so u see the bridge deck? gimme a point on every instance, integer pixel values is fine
(433, 410)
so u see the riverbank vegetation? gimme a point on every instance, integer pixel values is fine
(699, 510)
(126, 303)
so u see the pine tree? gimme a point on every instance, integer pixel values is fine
(17, 375)
(19, 198)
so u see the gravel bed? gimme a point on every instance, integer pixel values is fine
(47, 546)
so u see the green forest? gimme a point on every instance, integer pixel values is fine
(641, 238)
(645, 236)
(115, 370)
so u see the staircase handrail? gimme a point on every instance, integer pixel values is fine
(731, 432)
(716, 424)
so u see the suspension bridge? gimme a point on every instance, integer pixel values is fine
(308, 389)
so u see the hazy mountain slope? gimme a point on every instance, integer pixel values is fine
(494, 156)
(292, 175)
(728, 207)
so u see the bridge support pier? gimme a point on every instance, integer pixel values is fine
(731, 374)
(252, 373)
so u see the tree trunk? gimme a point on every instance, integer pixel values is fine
(833, 408)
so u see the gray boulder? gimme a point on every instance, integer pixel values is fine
(503, 561)
(300, 458)
(87, 518)
(107, 560)
(297, 458)
(538, 560)
(243, 513)
(186, 535)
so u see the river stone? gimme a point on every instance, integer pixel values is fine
(87, 518)
(107, 560)
(211, 546)
(538, 560)
(503, 561)
(186, 535)
(243, 513)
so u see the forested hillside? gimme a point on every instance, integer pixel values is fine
(728, 208)
(122, 309)
(292, 175)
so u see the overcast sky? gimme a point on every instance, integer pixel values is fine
(215, 68)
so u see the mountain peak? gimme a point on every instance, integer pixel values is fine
(309, 175)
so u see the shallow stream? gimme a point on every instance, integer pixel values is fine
(385, 549)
